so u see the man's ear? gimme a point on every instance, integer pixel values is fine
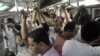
(41, 44)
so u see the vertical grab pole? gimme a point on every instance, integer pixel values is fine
(77, 3)
(16, 6)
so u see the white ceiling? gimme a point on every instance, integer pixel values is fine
(22, 3)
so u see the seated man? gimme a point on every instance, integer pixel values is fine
(39, 43)
(89, 33)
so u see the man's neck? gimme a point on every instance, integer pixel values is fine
(46, 50)
(65, 36)
(82, 41)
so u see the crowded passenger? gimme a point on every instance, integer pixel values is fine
(10, 34)
(39, 43)
(81, 18)
(68, 33)
(89, 33)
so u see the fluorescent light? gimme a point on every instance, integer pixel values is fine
(15, 8)
(74, 4)
(86, 3)
(64, 1)
(89, 2)
(19, 9)
(92, 2)
(28, 9)
(3, 6)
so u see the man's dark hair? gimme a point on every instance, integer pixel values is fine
(90, 31)
(84, 18)
(10, 20)
(39, 35)
(10, 54)
(70, 26)
(18, 27)
(45, 27)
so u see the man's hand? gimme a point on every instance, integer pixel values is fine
(24, 14)
(63, 6)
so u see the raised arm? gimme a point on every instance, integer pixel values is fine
(67, 16)
(24, 30)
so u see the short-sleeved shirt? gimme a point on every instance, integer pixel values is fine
(75, 48)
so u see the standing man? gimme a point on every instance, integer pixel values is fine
(10, 34)
(39, 43)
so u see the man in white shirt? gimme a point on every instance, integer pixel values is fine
(39, 43)
(89, 33)
(9, 32)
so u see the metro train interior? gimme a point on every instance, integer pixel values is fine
(57, 19)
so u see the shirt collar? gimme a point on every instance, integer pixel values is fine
(49, 52)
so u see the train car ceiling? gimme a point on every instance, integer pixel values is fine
(9, 5)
